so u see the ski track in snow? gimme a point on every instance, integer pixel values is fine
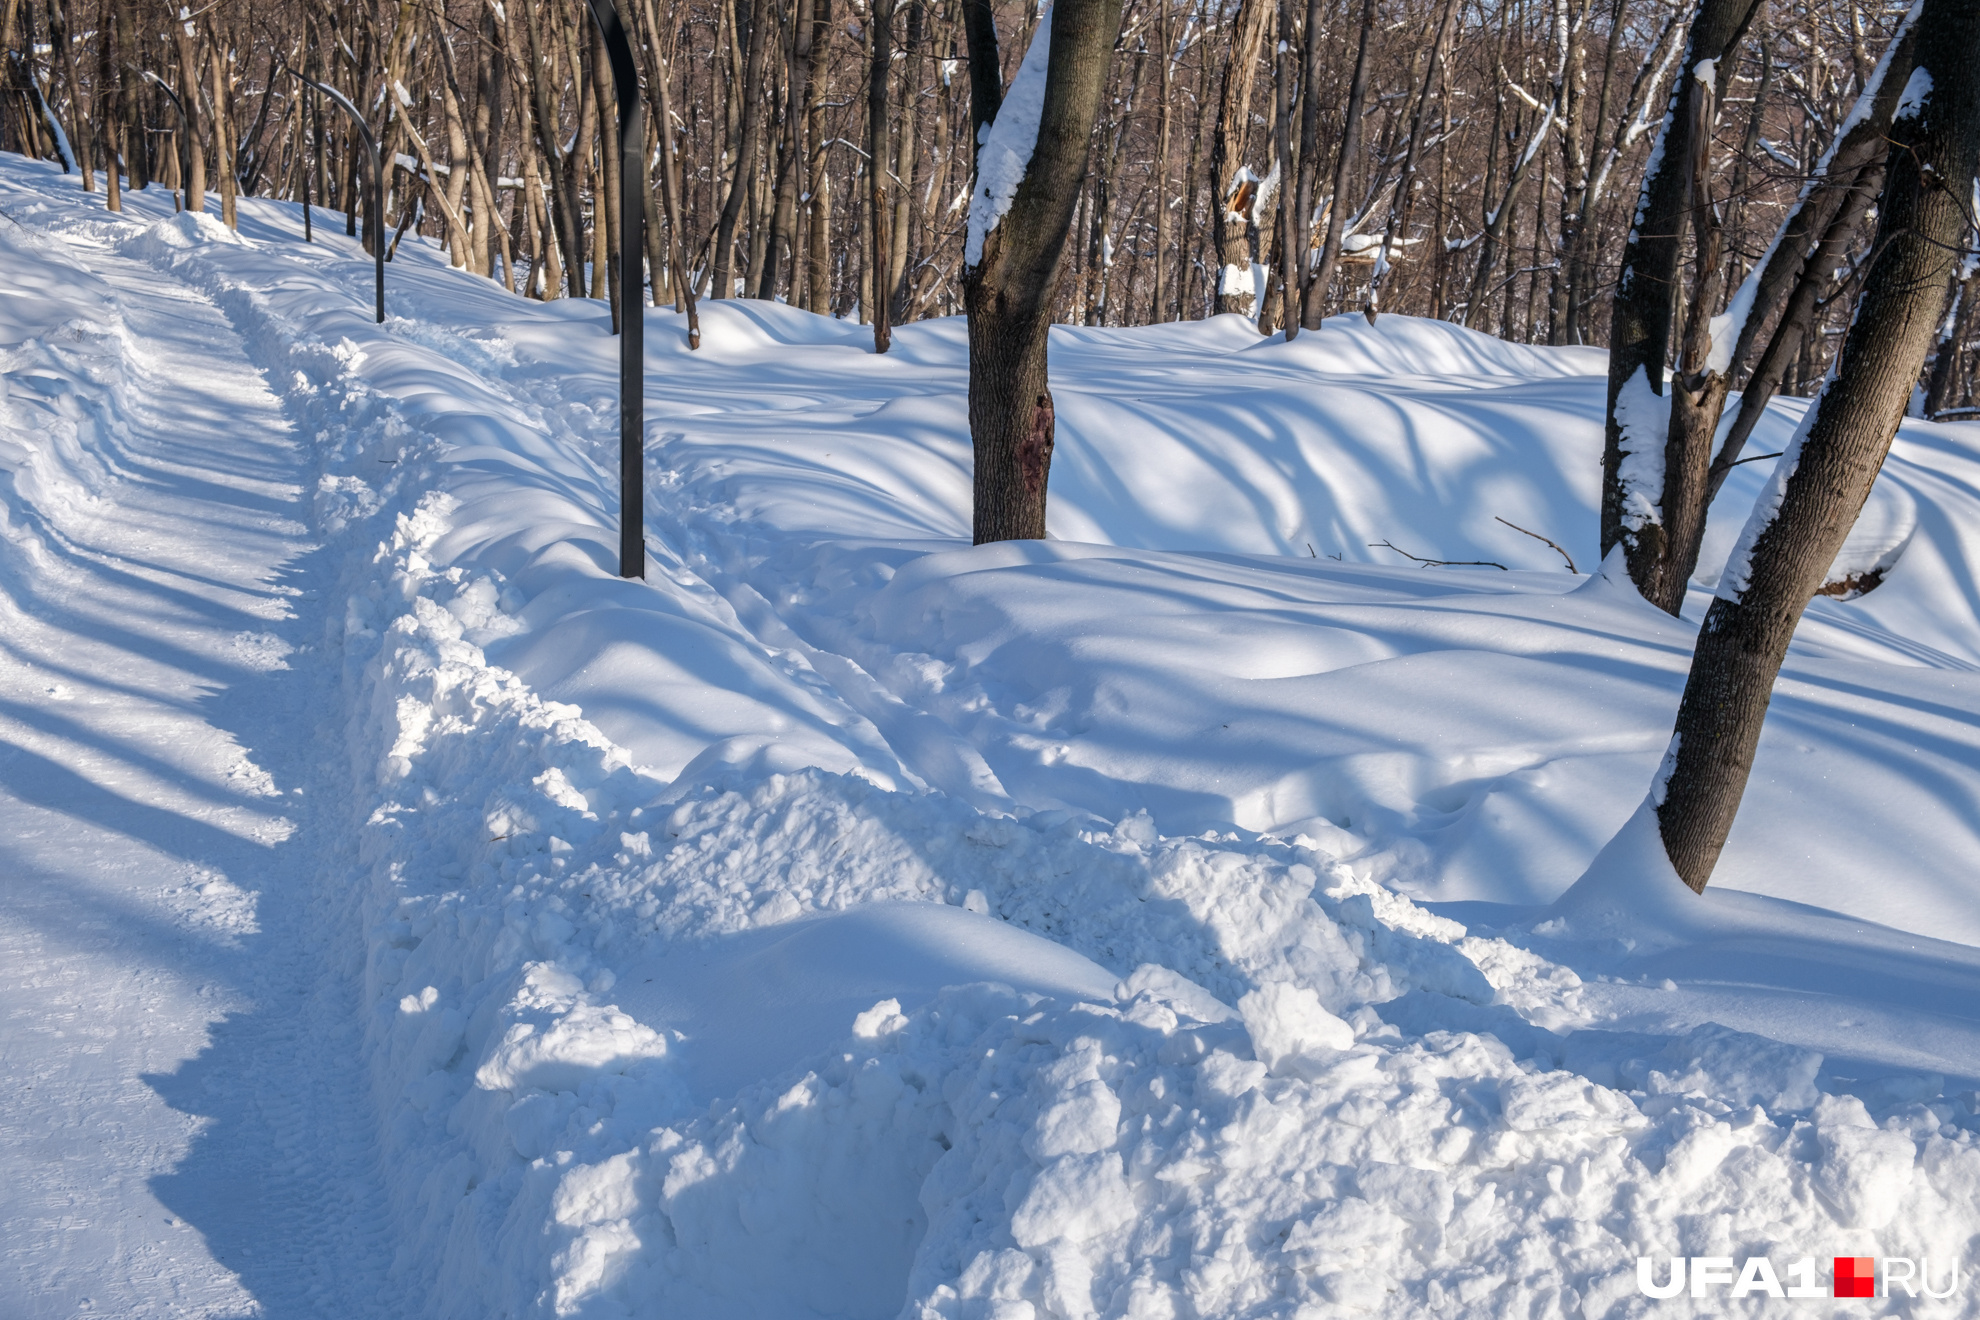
(186, 1107)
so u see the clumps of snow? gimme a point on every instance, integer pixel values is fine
(1643, 419)
(1736, 1067)
(1727, 326)
(1911, 103)
(165, 242)
(1005, 154)
(63, 350)
(1665, 769)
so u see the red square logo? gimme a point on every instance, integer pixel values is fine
(1856, 1276)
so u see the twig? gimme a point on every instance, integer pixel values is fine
(1755, 458)
(1441, 563)
(1536, 536)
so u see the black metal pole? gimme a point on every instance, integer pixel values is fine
(302, 158)
(376, 222)
(632, 300)
(185, 131)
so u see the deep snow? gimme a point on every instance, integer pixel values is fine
(1158, 920)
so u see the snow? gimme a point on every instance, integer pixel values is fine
(1911, 103)
(1200, 912)
(1008, 141)
(1643, 420)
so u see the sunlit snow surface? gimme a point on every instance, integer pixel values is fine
(1159, 920)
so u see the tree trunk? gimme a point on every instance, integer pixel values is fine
(781, 257)
(1640, 325)
(184, 39)
(1810, 245)
(879, 250)
(1820, 484)
(900, 227)
(566, 231)
(1230, 198)
(760, 37)
(1282, 137)
(1010, 291)
(1165, 30)
(1314, 309)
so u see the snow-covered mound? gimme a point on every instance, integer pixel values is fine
(849, 922)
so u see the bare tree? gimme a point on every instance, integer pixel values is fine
(1801, 520)
(1638, 471)
(1020, 215)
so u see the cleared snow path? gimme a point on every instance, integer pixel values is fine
(183, 1107)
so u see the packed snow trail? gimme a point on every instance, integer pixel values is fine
(184, 1109)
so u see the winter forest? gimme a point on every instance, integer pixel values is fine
(1471, 162)
(976, 660)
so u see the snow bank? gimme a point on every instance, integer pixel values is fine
(61, 354)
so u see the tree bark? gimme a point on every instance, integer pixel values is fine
(1165, 30)
(1009, 294)
(780, 258)
(186, 41)
(1282, 139)
(1810, 245)
(1822, 481)
(1230, 202)
(1642, 313)
(879, 248)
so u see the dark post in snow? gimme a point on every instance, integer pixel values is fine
(632, 318)
(375, 221)
(185, 125)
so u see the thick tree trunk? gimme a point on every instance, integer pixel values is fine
(185, 40)
(1820, 484)
(1231, 229)
(1010, 292)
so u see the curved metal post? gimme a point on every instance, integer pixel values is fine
(185, 127)
(632, 299)
(375, 222)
